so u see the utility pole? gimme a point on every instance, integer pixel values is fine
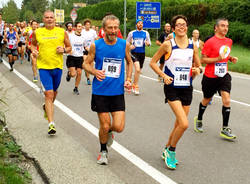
(125, 19)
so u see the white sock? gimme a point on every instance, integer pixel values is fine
(52, 123)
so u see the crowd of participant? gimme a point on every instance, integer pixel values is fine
(102, 53)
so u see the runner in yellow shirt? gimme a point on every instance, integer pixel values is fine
(53, 42)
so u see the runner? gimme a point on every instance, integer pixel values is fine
(69, 28)
(139, 38)
(12, 39)
(90, 37)
(215, 55)
(196, 40)
(163, 37)
(51, 41)
(21, 43)
(1, 38)
(34, 26)
(178, 74)
(75, 58)
(108, 84)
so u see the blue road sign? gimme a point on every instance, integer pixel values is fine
(150, 13)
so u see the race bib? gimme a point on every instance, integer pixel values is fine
(12, 42)
(22, 39)
(88, 43)
(112, 67)
(139, 42)
(182, 76)
(220, 69)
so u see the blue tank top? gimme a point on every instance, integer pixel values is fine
(11, 40)
(139, 38)
(111, 59)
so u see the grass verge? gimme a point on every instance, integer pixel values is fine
(12, 163)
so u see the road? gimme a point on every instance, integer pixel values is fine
(204, 157)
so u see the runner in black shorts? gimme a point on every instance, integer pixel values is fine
(1, 37)
(163, 37)
(177, 76)
(109, 54)
(138, 39)
(75, 59)
(216, 54)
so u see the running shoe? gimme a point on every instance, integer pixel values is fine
(68, 77)
(52, 129)
(110, 138)
(11, 69)
(163, 156)
(135, 89)
(88, 81)
(35, 79)
(45, 114)
(170, 159)
(198, 125)
(75, 90)
(1, 60)
(102, 158)
(226, 133)
(21, 61)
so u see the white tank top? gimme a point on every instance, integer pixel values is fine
(179, 65)
(77, 43)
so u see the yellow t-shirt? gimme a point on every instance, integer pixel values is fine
(28, 29)
(48, 41)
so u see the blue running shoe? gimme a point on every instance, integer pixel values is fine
(163, 156)
(170, 159)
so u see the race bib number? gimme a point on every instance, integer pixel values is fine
(139, 42)
(112, 67)
(182, 76)
(12, 42)
(220, 69)
(22, 39)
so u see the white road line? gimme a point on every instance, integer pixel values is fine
(197, 91)
(137, 161)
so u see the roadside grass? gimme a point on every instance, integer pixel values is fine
(12, 169)
(243, 54)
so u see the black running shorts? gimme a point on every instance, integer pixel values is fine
(138, 57)
(185, 95)
(74, 62)
(212, 85)
(12, 52)
(101, 103)
(20, 44)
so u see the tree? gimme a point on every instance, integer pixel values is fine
(10, 12)
(33, 9)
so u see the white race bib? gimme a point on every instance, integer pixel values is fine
(182, 76)
(139, 42)
(112, 67)
(22, 39)
(220, 69)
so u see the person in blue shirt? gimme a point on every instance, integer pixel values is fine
(138, 38)
(108, 83)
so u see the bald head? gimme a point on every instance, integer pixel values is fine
(196, 34)
(49, 19)
(167, 28)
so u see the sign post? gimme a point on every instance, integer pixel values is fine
(73, 15)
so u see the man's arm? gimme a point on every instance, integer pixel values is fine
(67, 44)
(129, 62)
(197, 68)
(207, 60)
(33, 46)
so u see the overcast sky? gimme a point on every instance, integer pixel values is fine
(18, 3)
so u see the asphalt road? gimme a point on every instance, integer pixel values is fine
(204, 157)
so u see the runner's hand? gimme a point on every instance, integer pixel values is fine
(167, 80)
(147, 43)
(59, 50)
(100, 75)
(128, 85)
(195, 71)
(35, 53)
(234, 59)
(132, 47)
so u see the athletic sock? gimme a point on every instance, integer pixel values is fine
(225, 115)
(171, 148)
(202, 109)
(103, 147)
(51, 123)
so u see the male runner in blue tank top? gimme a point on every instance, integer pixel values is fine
(108, 84)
